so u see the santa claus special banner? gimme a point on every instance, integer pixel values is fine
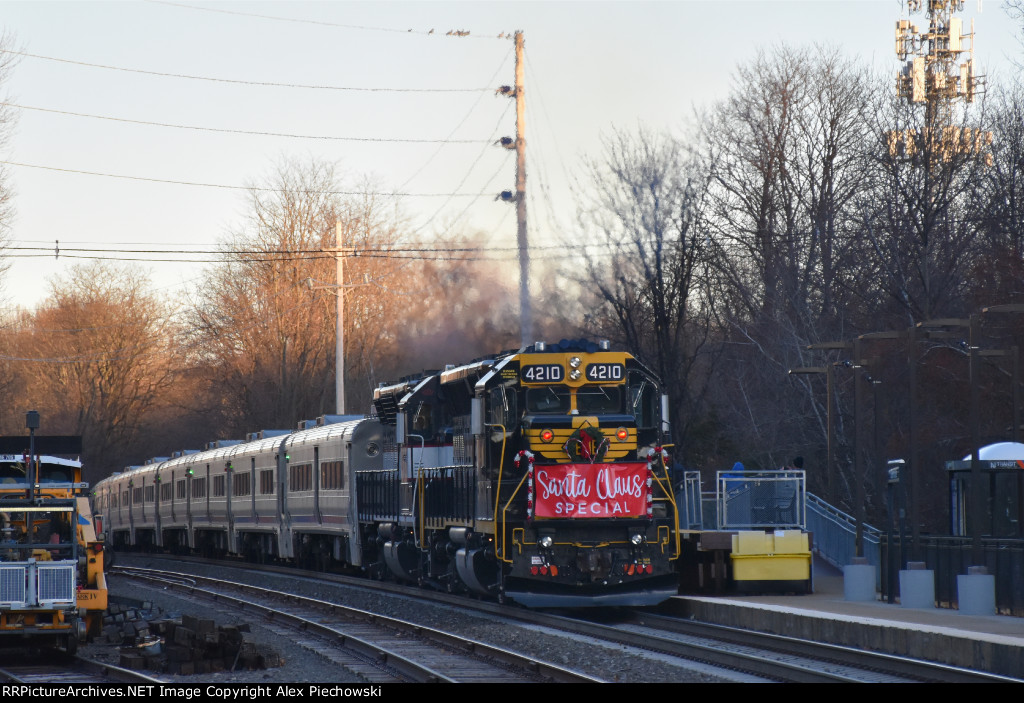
(591, 490)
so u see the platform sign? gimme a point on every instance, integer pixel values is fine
(591, 490)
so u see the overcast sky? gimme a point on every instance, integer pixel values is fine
(344, 82)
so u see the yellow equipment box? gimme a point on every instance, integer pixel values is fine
(784, 555)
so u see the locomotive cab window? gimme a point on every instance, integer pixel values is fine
(422, 423)
(549, 399)
(503, 408)
(644, 401)
(597, 400)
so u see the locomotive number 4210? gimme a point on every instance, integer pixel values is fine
(543, 373)
(605, 372)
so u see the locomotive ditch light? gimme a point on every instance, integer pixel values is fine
(546, 436)
(622, 434)
(636, 538)
(546, 541)
(575, 362)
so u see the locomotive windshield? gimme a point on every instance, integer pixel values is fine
(597, 400)
(549, 399)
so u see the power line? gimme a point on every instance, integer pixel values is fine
(245, 131)
(328, 253)
(233, 187)
(472, 166)
(237, 81)
(452, 33)
(455, 129)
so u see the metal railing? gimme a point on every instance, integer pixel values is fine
(835, 535)
(760, 500)
(377, 494)
(448, 494)
(689, 503)
(950, 557)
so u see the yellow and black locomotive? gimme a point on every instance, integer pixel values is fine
(539, 475)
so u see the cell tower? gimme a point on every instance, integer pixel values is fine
(935, 75)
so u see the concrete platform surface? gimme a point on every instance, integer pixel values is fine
(993, 643)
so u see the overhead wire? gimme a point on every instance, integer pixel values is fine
(469, 171)
(458, 126)
(462, 34)
(236, 81)
(407, 140)
(545, 190)
(234, 187)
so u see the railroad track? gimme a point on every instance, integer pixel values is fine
(25, 669)
(757, 655)
(379, 648)
(778, 657)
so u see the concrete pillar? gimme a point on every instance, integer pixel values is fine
(917, 586)
(859, 581)
(976, 592)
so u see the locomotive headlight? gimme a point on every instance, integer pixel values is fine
(546, 541)
(622, 434)
(637, 538)
(574, 374)
(546, 436)
(575, 362)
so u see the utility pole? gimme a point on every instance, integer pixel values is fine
(339, 342)
(525, 312)
(519, 196)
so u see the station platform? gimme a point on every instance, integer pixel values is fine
(993, 643)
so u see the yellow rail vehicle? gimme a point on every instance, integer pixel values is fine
(52, 587)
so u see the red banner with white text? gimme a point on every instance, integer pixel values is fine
(591, 490)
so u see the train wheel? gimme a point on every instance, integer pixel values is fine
(71, 644)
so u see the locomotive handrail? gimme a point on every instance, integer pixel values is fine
(499, 542)
(671, 499)
(504, 510)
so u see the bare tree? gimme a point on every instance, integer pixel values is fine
(8, 117)
(640, 205)
(95, 360)
(265, 317)
(999, 270)
(785, 154)
(921, 218)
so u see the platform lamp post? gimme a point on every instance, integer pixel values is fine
(977, 495)
(830, 469)
(872, 336)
